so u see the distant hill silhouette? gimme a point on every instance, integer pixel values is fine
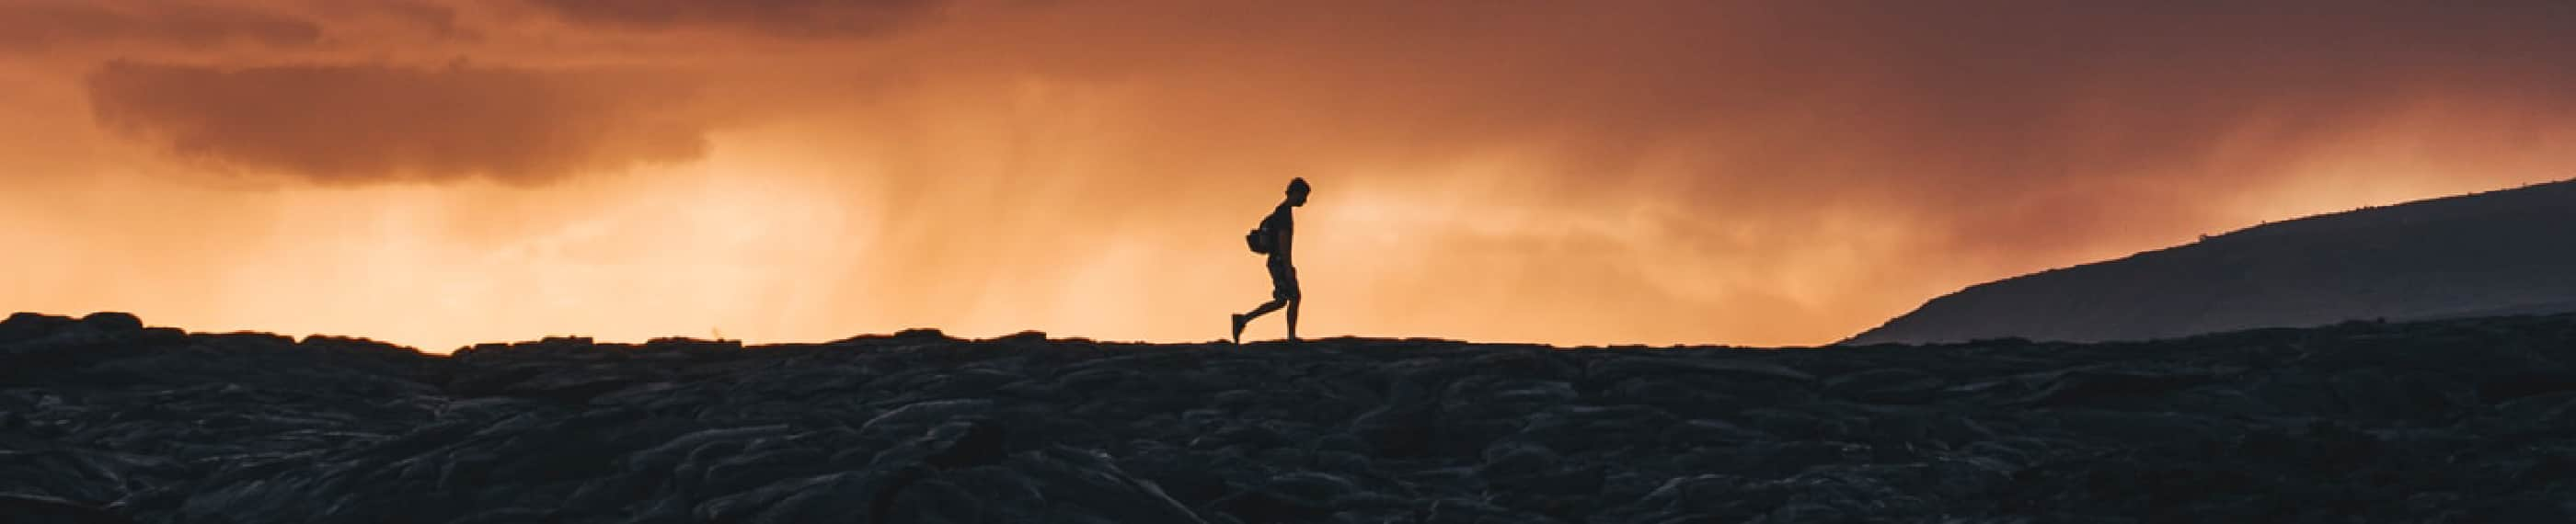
(2494, 253)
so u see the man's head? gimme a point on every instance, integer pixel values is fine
(1297, 189)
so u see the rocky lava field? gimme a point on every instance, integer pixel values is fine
(105, 420)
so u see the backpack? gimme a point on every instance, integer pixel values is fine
(1260, 240)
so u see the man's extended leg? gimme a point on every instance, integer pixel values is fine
(1292, 318)
(1257, 312)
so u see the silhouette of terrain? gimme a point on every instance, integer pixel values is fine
(2495, 253)
(105, 420)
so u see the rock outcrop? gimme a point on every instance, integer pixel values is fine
(102, 420)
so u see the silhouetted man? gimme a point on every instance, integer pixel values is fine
(1276, 237)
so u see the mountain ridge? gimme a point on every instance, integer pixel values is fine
(2449, 257)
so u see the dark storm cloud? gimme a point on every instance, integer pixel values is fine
(40, 25)
(2032, 123)
(786, 18)
(366, 123)
(2038, 123)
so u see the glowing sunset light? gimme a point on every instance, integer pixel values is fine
(1759, 173)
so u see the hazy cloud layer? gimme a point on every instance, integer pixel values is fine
(783, 18)
(43, 25)
(1988, 113)
(362, 123)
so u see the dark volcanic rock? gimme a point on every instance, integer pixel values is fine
(102, 420)
(1888, 385)
(112, 321)
(32, 509)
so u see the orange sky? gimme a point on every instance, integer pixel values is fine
(1761, 173)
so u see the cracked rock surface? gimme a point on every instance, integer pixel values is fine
(105, 420)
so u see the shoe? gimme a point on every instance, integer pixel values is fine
(1238, 328)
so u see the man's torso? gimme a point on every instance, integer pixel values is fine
(1282, 224)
